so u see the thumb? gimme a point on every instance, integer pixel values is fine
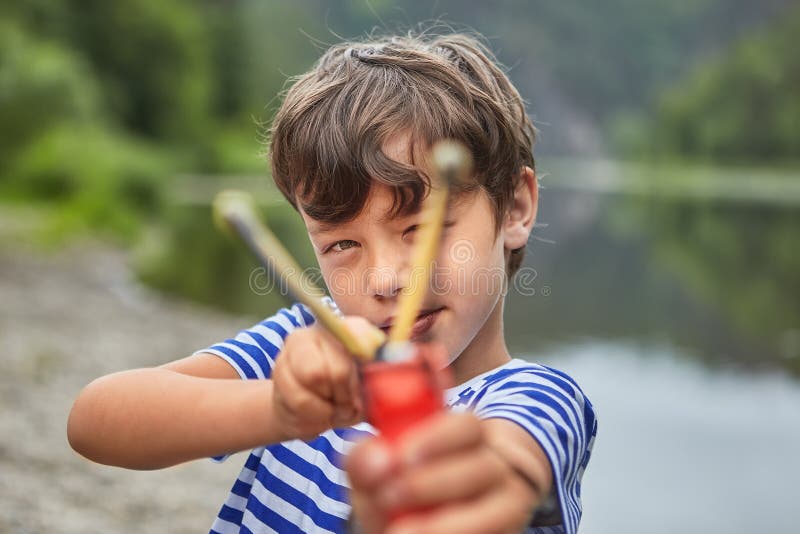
(370, 464)
(369, 336)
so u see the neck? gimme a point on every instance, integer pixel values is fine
(486, 351)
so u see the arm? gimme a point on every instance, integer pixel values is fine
(199, 407)
(530, 438)
(525, 456)
(157, 417)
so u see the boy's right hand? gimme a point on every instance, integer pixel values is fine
(316, 383)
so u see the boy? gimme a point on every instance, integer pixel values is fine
(348, 150)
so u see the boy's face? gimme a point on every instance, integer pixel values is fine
(365, 264)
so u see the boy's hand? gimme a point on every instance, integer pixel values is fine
(316, 385)
(447, 471)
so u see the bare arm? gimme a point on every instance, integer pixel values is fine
(521, 452)
(157, 417)
(199, 407)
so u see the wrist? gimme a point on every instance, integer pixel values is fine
(276, 427)
(255, 414)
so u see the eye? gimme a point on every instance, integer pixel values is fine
(341, 246)
(410, 233)
(411, 229)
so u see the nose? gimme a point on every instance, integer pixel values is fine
(387, 273)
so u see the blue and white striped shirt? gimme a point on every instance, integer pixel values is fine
(300, 486)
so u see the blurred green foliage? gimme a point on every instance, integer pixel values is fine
(742, 107)
(592, 72)
(737, 257)
(41, 85)
(101, 101)
(104, 105)
(732, 253)
(93, 179)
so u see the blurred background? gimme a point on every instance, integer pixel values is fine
(664, 272)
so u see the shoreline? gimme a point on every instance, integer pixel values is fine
(67, 318)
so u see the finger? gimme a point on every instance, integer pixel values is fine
(341, 376)
(369, 336)
(302, 401)
(458, 477)
(304, 408)
(320, 364)
(306, 360)
(350, 411)
(369, 518)
(425, 441)
(340, 370)
(370, 464)
(500, 512)
(356, 393)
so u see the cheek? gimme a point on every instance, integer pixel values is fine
(341, 283)
(471, 268)
(468, 248)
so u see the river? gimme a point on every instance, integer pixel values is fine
(681, 448)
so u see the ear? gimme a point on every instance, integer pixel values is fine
(521, 215)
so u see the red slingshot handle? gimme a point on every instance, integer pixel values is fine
(400, 395)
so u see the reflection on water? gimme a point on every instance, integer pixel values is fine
(718, 275)
(681, 448)
(702, 258)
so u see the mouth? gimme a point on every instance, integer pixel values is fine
(424, 322)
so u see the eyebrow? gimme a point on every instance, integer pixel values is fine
(321, 228)
(390, 217)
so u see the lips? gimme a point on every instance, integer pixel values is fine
(425, 320)
(424, 323)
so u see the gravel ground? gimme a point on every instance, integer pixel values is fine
(65, 319)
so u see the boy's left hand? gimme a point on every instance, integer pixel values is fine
(445, 469)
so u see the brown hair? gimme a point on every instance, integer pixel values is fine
(326, 138)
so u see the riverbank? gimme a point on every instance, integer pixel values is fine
(66, 318)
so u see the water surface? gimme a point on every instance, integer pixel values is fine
(681, 448)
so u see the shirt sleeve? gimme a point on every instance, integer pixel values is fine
(550, 406)
(253, 351)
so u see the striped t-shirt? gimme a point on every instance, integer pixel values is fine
(300, 486)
